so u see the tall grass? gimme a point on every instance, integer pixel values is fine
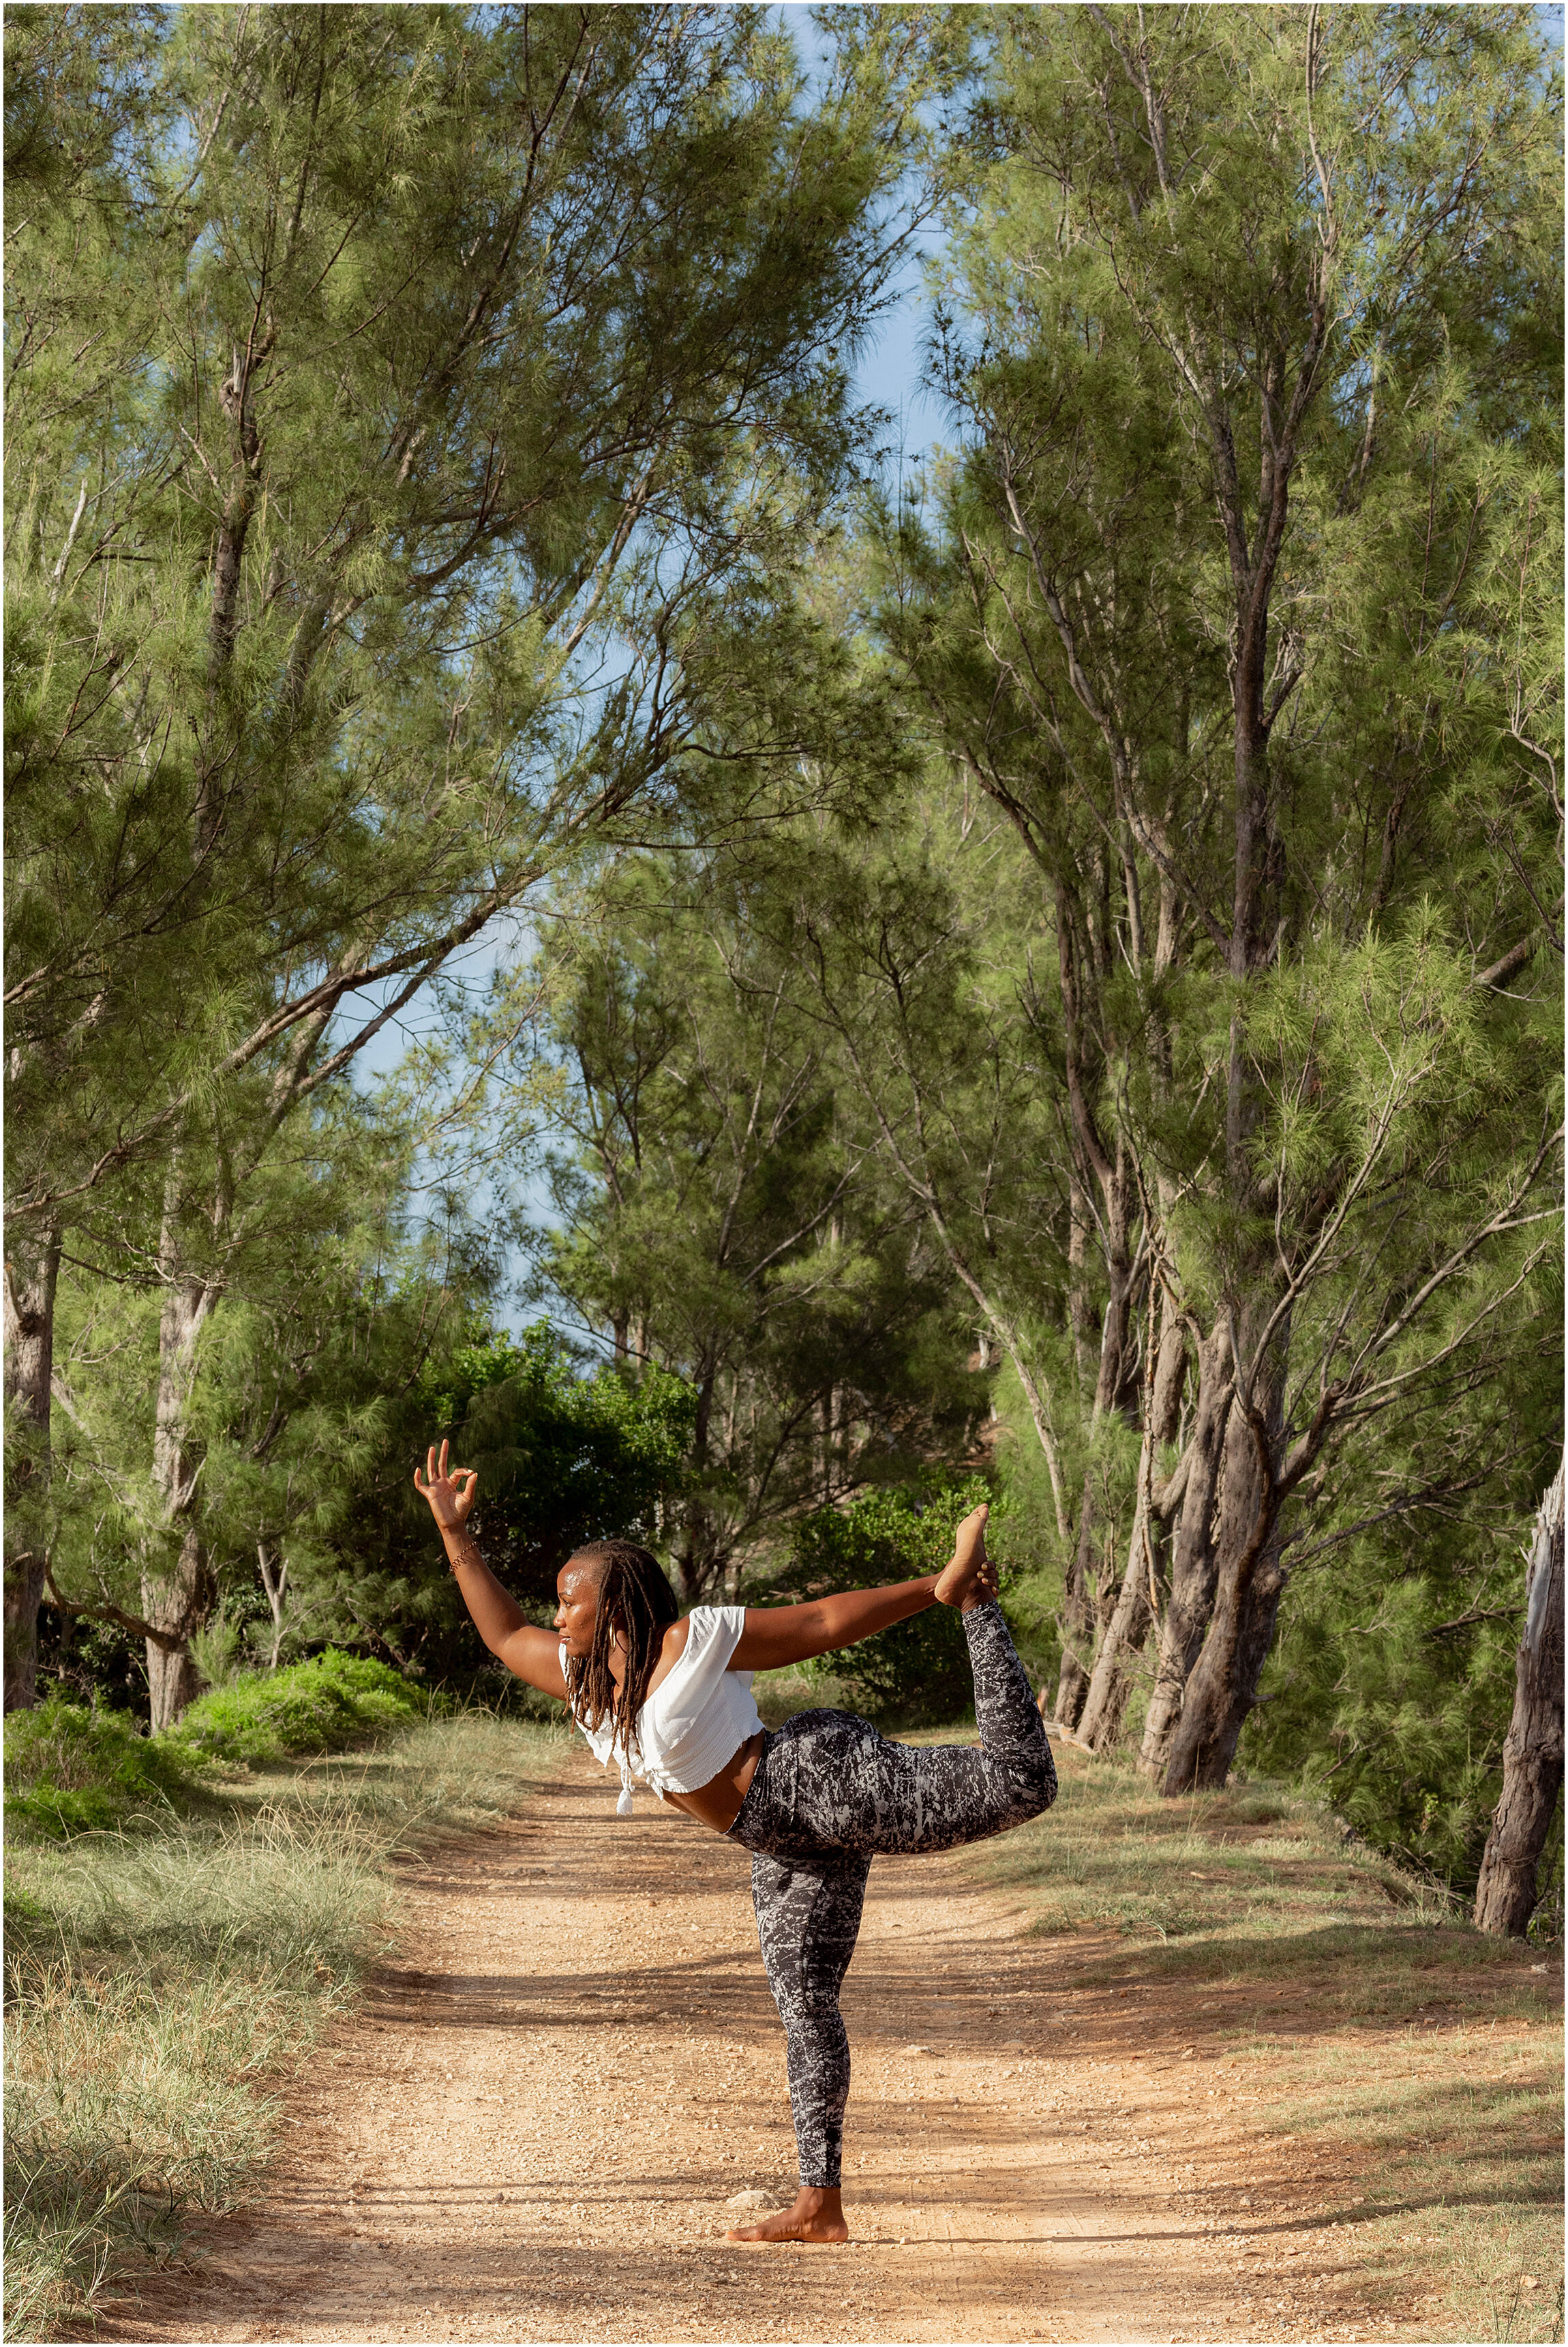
(165, 1980)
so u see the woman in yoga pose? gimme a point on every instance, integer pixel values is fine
(669, 1697)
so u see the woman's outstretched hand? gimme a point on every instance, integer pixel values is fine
(449, 1492)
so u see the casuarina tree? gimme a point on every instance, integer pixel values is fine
(1240, 605)
(374, 372)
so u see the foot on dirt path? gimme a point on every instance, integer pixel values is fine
(971, 1578)
(816, 2214)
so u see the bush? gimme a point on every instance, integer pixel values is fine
(325, 1705)
(71, 1770)
(917, 1673)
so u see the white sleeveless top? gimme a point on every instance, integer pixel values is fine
(693, 1720)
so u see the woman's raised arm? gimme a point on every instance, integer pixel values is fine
(528, 1652)
(778, 1636)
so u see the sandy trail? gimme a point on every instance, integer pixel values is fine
(531, 2124)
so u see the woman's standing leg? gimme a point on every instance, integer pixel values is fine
(808, 1918)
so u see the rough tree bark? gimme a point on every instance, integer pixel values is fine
(1192, 1561)
(30, 1281)
(1533, 1754)
(1248, 1574)
(1111, 1682)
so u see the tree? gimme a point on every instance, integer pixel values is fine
(427, 346)
(1245, 325)
(564, 1457)
(333, 1311)
(718, 1220)
(1533, 1756)
(76, 93)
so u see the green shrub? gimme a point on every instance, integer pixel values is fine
(325, 1705)
(71, 1770)
(918, 1673)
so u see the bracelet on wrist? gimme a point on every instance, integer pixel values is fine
(469, 1551)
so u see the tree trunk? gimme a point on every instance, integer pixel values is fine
(1111, 1682)
(176, 1599)
(276, 1584)
(1248, 1578)
(1192, 1564)
(1533, 1754)
(1089, 1602)
(695, 1559)
(178, 1603)
(29, 1364)
(1076, 1620)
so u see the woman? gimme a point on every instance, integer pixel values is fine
(670, 1697)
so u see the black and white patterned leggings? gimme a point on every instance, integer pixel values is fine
(828, 1795)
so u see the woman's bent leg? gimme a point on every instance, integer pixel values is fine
(808, 1919)
(828, 1783)
(938, 1797)
(1012, 1734)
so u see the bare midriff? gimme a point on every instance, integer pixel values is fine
(718, 1802)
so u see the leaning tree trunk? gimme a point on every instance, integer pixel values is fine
(1248, 1580)
(1077, 1620)
(29, 1364)
(1533, 1754)
(177, 1595)
(1193, 1564)
(1089, 1602)
(1111, 1681)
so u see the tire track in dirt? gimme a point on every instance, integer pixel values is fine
(530, 2127)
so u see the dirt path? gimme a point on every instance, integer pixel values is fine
(532, 2126)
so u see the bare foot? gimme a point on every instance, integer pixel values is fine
(971, 1578)
(817, 2216)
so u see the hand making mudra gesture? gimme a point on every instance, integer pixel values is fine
(813, 1802)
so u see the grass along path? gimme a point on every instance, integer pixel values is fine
(164, 1982)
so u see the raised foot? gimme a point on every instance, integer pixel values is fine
(970, 1578)
(817, 2215)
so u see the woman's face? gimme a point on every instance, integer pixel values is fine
(577, 1605)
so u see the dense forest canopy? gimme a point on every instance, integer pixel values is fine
(1046, 968)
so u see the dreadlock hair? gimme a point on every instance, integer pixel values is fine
(636, 1601)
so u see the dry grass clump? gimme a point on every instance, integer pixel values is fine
(163, 1981)
(1248, 1861)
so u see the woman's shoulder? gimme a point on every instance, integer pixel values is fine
(704, 1627)
(674, 1642)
